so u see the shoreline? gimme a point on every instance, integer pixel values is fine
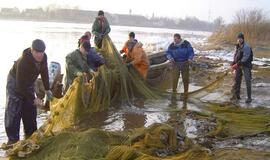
(80, 22)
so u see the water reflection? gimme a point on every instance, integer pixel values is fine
(134, 120)
(142, 113)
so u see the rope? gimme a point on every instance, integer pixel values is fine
(218, 80)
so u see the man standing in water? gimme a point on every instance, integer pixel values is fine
(242, 63)
(100, 28)
(180, 53)
(21, 99)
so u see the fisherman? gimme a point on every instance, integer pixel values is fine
(135, 55)
(180, 53)
(100, 28)
(76, 63)
(21, 98)
(82, 60)
(94, 60)
(129, 44)
(242, 63)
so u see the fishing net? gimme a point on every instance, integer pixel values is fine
(158, 141)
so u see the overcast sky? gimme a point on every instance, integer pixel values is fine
(202, 9)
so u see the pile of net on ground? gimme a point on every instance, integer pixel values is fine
(156, 142)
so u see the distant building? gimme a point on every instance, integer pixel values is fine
(131, 20)
(75, 15)
(33, 13)
(10, 12)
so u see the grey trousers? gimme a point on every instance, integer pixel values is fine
(238, 79)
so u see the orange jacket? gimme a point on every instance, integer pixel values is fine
(139, 60)
(125, 48)
(128, 46)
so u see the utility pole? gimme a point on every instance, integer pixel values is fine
(209, 11)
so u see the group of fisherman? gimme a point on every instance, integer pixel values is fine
(21, 100)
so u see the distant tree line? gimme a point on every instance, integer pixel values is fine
(82, 16)
(254, 23)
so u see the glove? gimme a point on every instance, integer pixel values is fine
(90, 70)
(235, 66)
(78, 74)
(49, 95)
(38, 102)
(172, 61)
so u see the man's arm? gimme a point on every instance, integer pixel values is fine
(95, 29)
(190, 52)
(22, 82)
(125, 48)
(169, 54)
(108, 28)
(246, 53)
(71, 67)
(97, 59)
(44, 73)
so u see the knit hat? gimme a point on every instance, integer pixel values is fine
(100, 13)
(240, 35)
(38, 45)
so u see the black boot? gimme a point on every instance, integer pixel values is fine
(235, 98)
(248, 100)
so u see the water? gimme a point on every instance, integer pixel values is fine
(260, 142)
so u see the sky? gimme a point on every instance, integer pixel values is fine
(203, 9)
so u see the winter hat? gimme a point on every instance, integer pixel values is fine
(240, 35)
(100, 13)
(38, 45)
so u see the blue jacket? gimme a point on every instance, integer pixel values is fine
(180, 52)
(94, 60)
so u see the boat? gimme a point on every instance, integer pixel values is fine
(159, 68)
(158, 71)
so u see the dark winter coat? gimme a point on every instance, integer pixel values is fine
(26, 70)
